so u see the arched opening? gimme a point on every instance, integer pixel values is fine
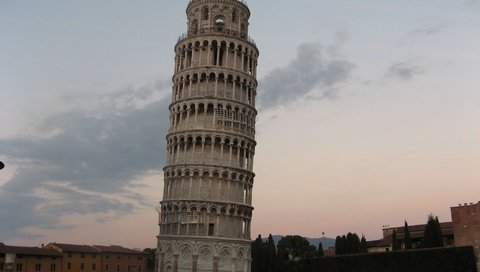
(234, 16)
(194, 27)
(219, 25)
(243, 31)
(205, 13)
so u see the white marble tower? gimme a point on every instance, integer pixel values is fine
(206, 211)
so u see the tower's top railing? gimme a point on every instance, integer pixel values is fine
(241, 1)
(228, 32)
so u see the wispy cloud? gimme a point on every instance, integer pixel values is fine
(427, 31)
(404, 70)
(316, 70)
(88, 163)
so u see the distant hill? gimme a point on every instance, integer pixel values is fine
(326, 242)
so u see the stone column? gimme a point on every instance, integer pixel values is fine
(215, 263)
(194, 263)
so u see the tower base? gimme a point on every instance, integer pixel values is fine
(197, 254)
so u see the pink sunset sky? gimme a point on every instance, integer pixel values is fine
(368, 116)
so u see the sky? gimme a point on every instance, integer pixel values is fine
(368, 116)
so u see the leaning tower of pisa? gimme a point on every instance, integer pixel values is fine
(206, 210)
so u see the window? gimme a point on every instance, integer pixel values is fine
(38, 267)
(83, 255)
(139, 268)
(118, 257)
(19, 267)
(205, 13)
(219, 23)
(94, 266)
(94, 256)
(106, 267)
(211, 228)
(69, 266)
(107, 257)
(194, 28)
(129, 268)
(53, 268)
(234, 16)
(139, 258)
(118, 267)
(82, 266)
(69, 254)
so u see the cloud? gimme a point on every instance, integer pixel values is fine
(428, 31)
(405, 70)
(86, 164)
(316, 71)
(84, 161)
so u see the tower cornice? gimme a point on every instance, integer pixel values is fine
(237, 3)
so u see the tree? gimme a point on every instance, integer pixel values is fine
(257, 254)
(150, 258)
(320, 252)
(290, 249)
(433, 233)
(339, 246)
(395, 244)
(363, 245)
(297, 247)
(349, 244)
(271, 254)
(407, 238)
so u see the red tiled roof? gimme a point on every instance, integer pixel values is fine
(117, 249)
(36, 251)
(75, 248)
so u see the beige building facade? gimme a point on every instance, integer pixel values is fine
(206, 211)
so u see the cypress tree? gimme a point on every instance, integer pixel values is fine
(355, 247)
(338, 246)
(344, 244)
(320, 253)
(433, 233)
(395, 244)
(407, 239)
(363, 245)
(350, 242)
(271, 254)
(257, 254)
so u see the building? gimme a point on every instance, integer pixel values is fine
(117, 258)
(78, 257)
(417, 233)
(206, 210)
(466, 227)
(29, 259)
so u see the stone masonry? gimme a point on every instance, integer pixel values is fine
(466, 227)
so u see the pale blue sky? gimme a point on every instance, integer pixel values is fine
(378, 122)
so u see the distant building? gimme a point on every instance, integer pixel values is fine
(417, 233)
(29, 259)
(117, 258)
(466, 227)
(78, 257)
(56, 257)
